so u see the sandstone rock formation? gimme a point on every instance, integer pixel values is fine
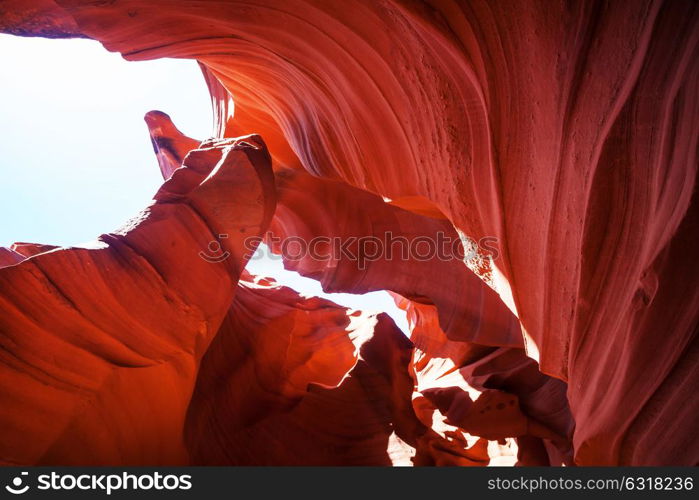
(101, 345)
(566, 132)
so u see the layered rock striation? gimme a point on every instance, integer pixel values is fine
(563, 133)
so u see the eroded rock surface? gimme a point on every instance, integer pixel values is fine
(567, 132)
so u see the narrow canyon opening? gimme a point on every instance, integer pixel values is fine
(92, 166)
(375, 142)
(81, 161)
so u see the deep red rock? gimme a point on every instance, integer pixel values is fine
(565, 131)
(294, 381)
(101, 345)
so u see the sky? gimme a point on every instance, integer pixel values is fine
(75, 155)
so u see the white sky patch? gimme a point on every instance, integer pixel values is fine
(264, 263)
(75, 155)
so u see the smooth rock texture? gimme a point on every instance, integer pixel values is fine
(101, 345)
(565, 131)
(294, 381)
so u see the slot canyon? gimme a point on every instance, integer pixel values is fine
(552, 145)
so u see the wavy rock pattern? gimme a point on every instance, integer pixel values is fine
(101, 345)
(310, 208)
(567, 131)
(450, 374)
(296, 381)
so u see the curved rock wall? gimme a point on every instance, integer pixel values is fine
(565, 131)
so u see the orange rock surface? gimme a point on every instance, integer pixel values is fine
(565, 133)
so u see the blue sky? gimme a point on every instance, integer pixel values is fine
(76, 159)
(75, 155)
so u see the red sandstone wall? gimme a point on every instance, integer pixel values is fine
(566, 130)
